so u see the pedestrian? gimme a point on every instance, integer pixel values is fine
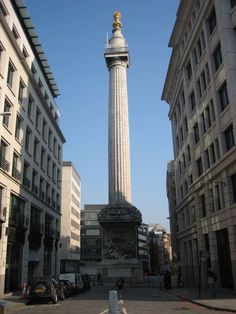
(161, 282)
(179, 282)
(211, 280)
(167, 280)
(120, 284)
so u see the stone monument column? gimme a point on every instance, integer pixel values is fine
(119, 219)
(117, 59)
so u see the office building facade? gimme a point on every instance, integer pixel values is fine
(30, 153)
(200, 88)
(70, 219)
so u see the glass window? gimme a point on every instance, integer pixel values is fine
(28, 134)
(217, 56)
(223, 94)
(189, 70)
(199, 166)
(212, 152)
(5, 118)
(21, 92)
(196, 133)
(229, 137)
(18, 127)
(192, 101)
(30, 105)
(233, 180)
(203, 203)
(10, 74)
(212, 21)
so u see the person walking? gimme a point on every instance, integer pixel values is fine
(120, 285)
(211, 280)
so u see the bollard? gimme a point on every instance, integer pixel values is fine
(113, 302)
(3, 305)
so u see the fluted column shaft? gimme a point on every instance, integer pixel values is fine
(118, 146)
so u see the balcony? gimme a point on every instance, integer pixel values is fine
(16, 174)
(4, 164)
(3, 213)
(26, 182)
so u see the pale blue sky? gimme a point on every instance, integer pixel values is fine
(73, 34)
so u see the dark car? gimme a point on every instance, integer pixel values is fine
(45, 289)
(69, 289)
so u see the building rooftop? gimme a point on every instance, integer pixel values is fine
(24, 17)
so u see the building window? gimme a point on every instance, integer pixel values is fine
(196, 133)
(15, 161)
(10, 74)
(217, 56)
(199, 88)
(233, 3)
(4, 164)
(35, 182)
(186, 125)
(199, 166)
(207, 158)
(37, 118)
(188, 153)
(50, 139)
(18, 127)
(217, 145)
(25, 52)
(30, 105)
(192, 101)
(3, 9)
(208, 78)
(44, 129)
(212, 152)
(15, 32)
(203, 203)
(199, 48)
(40, 84)
(21, 92)
(49, 166)
(28, 134)
(212, 21)
(233, 181)
(41, 191)
(5, 118)
(189, 70)
(195, 58)
(33, 70)
(218, 197)
(42, 158)
(203, 81)
(223, 94)
(212, 110)
(59, 153)
(26, 181)
(229, 137)
(203, 123)
(36, 148)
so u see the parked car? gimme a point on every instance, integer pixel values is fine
(45, 288)
(75, 279)
(69, 289)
